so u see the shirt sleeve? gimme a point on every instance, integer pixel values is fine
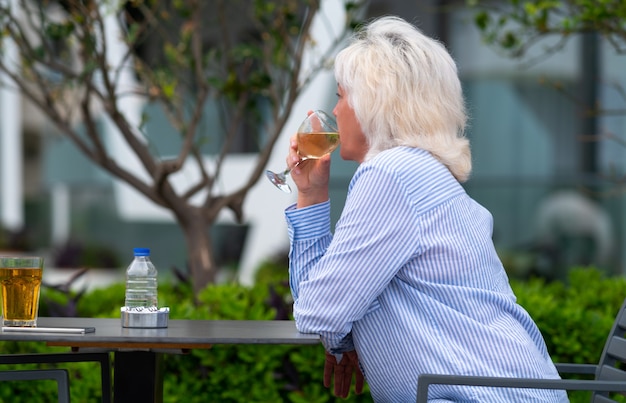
(309, 235)
(336, 280)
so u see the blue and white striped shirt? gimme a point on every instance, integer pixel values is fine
(412, 281)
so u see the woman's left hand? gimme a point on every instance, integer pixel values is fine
(342, 372)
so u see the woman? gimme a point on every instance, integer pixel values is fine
(410, 282)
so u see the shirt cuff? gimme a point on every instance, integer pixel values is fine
(308, 222)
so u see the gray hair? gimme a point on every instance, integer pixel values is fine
(405, 91)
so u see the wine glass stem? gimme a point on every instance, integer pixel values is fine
(288, 170)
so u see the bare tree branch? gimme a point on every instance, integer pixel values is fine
(181, 57)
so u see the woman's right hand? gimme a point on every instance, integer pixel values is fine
(310, 176)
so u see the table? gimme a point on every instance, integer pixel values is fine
(138, 375)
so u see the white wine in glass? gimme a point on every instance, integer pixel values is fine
(317, 136)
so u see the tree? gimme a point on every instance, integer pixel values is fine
(514, 25)
(242, 59)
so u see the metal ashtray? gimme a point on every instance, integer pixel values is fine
(145, 317)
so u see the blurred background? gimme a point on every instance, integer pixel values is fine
(542, 166)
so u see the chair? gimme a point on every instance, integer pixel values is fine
(609, 376)
(102, 357)
(58, 375)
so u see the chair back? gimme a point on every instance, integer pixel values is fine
(613, 358)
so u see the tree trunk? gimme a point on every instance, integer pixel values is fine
(201, 260)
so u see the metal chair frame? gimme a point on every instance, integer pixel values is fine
(102, 357)
(59, 375)
(609, 376)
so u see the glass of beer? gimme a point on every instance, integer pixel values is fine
(317, 136)
(20, 281)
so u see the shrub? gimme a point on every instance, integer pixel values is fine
(574, 317)
(245, 373)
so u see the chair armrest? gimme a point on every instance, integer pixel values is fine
(569, 368)
(425, 380)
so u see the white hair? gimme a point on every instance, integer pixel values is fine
(405, 91)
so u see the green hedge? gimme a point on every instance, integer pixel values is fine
(574, 318)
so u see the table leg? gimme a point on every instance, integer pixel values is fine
(137, 377)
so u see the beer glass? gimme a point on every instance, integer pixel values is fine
(20, 281)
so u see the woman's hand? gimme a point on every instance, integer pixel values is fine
(343, 372)
(310, 176)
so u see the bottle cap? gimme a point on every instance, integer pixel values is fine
(141, 251)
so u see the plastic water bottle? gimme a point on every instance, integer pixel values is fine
(141, 281)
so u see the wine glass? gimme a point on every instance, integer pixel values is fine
(317, 136)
